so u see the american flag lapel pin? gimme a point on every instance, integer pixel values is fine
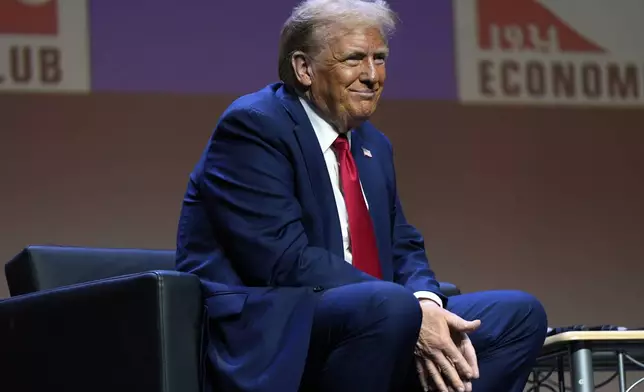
(366, 152)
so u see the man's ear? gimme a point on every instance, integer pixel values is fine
(302, 66)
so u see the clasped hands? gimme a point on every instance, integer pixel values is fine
(445, 358)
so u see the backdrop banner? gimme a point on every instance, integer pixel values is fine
(44, 46)
(550, 51)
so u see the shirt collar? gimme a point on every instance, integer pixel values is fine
(323, 130)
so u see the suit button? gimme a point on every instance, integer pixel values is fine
(317, 289)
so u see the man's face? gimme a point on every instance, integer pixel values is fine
(348, 77)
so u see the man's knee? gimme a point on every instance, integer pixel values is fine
(528, 305)
(528, 312)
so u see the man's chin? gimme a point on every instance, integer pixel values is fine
(363, 114)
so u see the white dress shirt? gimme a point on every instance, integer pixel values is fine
(326, 136)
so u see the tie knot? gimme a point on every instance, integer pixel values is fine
(341, 143)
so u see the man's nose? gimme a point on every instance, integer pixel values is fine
(369, 75)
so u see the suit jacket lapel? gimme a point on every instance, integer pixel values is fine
(368, 161)
(318, 173)
(367, 168)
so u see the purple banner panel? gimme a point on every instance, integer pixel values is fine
(230, 47)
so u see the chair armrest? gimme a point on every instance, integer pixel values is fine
(139, 332)
(449, 289)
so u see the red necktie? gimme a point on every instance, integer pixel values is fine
(364, 250)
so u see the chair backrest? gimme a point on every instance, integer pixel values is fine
(38, 268)
(41, 267)
(449, 289)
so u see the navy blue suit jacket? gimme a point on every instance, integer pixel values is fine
(259, 226)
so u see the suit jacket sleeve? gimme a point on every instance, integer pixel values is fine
(249, 189)
(411, 266)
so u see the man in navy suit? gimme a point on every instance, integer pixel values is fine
(313, 278)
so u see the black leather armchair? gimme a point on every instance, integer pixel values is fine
(92, 319)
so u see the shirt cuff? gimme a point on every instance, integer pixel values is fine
(430, 296)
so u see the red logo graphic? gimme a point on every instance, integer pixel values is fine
(526, 25)
(29, 17)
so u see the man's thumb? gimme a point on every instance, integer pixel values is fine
(463, 325)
